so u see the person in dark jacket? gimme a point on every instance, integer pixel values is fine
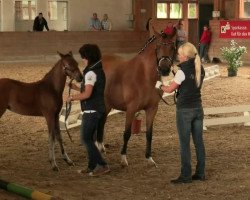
(39, 23)
(189, 111)
(91, 97)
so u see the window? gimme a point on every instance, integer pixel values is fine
(161, 11)
(192, 10)
(245, 9)
(52, 10)
(175, 10)
(25, 10)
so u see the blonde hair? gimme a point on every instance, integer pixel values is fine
(190, 51)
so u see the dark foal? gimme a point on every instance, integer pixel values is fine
(42, 98)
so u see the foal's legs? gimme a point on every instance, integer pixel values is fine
(126, 136)
(59, 139)
(54, 133)
(150, 115)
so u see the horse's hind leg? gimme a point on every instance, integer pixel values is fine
(59, 139)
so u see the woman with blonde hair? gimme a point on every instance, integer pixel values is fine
(189, 111)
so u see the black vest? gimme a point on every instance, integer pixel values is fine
(189, 95)
(96, 100)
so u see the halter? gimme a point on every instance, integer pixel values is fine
(163, 58)
(159, 60)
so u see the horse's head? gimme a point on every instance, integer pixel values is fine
(70, 66)
(165, 51)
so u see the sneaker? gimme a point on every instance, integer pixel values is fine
(100, 170)
(181, 179)
(197, 177)
(84, 171)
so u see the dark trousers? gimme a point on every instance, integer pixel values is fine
(190, 120)
(88, 130)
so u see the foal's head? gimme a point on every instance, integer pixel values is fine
(70, 66)
(165, 51)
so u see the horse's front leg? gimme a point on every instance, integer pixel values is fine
(60, 141)
(150, 115)
(52, 158)
(126, 137)
(100, 133)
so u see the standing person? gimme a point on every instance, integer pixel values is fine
(95, 24)
(39, 23)
(189, 112)
(181, 35)
(106, 23)
(91, 97)
(204, 43)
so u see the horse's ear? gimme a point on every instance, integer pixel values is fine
(155, 32)
(70, 53)
(60, 54)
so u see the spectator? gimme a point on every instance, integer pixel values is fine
(181, 35)
(91, 96)
(95, 24)
(204, 44)
(39, 23)
(106, 23)
(189, 112)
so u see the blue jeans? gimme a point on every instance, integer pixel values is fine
(88, 131)
(190, 120)
(204, 51)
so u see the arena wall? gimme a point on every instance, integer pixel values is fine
(44, 45)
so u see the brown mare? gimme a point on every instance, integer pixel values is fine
(130, 86)
(42, 98)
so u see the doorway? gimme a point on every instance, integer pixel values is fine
(58, 15)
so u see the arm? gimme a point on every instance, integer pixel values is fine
(46, 24)
(169, 89)
(178, 79)
(83, 95)
(74, 86)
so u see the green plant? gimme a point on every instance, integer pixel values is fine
(233, 55)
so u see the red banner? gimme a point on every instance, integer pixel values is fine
(235, 29)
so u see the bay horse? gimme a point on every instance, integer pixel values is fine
(42, 98)
(130, 86)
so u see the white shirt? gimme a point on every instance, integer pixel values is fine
(90, 78)
(179, 77)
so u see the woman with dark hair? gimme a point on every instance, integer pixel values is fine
(91, 97)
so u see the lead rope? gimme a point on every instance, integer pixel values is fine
(68, 109)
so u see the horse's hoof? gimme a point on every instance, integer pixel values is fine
(100, 147)
(151, 161)
(124, 162)
(55, 168)
(69, 162)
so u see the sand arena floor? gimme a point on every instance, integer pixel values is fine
(24, 151)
